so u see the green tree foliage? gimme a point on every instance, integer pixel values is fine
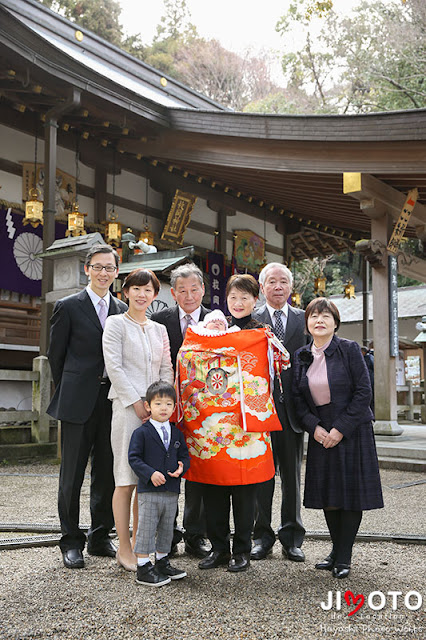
(175, 24)
(372, 60)
(99, 16)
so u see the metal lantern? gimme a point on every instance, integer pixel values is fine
(319, 285)
(33, 209)
(295, 299)
(76, 222)
(349, 290)
(113, 229)
(147, 235)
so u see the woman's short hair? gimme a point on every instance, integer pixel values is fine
(319, 305)
(243, 282)
(141, 277)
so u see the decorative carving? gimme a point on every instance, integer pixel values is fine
(374, 251)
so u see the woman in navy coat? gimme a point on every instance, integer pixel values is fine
(332, 394)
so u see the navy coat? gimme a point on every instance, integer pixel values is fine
(347, 475)
(147, 454)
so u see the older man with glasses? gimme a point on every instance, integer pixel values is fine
(81, 403)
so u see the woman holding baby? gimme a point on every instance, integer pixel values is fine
(228, 412)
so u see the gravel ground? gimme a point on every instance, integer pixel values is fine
(40, 599)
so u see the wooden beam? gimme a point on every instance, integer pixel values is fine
(377, 197)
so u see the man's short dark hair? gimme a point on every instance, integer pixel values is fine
(101, 248)
(161, 389)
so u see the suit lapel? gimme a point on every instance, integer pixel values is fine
(176, 324)
(263, 316)
(291, 325)
(155, 435)
(89, 309)
(114, 307)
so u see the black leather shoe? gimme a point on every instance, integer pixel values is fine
(341, 571)
(259, 552)
(73, 559)
(239, 562)
(215, 559)
(327, 564)
(197, 547)
(294, 553)
(105, 548)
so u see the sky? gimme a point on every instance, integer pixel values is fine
(232, 22)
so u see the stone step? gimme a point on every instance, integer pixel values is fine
(11, 434)
(27, 452)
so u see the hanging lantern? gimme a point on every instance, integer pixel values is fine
(112, 226)
(112, 229)
(76, 222)
(349, 290)
(295, 299)
(319, 285)
(147, 235)
(34, 206)
(33, 209)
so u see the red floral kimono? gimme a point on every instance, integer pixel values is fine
(227, 432)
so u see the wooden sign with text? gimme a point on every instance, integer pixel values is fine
(179, 217)
(401, 225)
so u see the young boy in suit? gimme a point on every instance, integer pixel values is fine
(159, 456)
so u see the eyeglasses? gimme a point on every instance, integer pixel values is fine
(98, 268)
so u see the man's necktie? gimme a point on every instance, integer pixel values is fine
(103, 312)
(165, 436)
(187, 321)
(279, 328)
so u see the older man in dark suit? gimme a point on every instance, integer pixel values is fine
(288, 324)
(81, 403)
(187, 288)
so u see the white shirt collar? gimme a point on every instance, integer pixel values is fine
(195, 315)
(158, 425)
(271, 310)
(95, 298)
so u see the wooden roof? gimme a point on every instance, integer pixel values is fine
(286, 169)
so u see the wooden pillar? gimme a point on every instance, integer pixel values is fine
(365, 305)
(49, 211)
(384, 365)
(100, 194)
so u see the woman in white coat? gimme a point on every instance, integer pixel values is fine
(136, 353)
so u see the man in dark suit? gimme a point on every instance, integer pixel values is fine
(288, 324)
(188, 291)
(81, 403)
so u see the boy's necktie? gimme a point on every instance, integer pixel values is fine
(165, 436)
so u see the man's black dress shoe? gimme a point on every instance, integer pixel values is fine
(215, 559)
(259, 552)
(327, 564)
(73, 558)
(239, 562)
(197, 547)
(341, 571)
(105, 548)
(294, 553)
